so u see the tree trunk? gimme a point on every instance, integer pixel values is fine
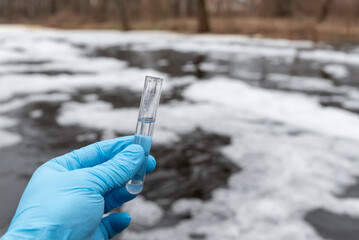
(176, 8)
(30, 9)
(283, 8)
(324, 11)
(102, 10)
(203, 22)
(123, 14)
(7, 10)
(189, 8)
(85, 8)
(52, 6)
(219, 7)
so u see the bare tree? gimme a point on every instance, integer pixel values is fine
(85, 8)
(123, 14)
(203, 21)
(30, 9)
(52, 6)
(189, 8)
(102, 10)
(219, 6)
(324, 11)
(283, 8)
(176, 4)
(7, 9)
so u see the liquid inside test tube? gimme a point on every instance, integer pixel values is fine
(144, 130)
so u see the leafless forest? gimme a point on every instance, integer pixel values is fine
(329, 20)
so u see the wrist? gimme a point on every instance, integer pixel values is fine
(38, 233)
(12, 235)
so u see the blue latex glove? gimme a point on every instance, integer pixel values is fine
(68, 195)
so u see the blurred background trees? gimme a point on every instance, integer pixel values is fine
(101, 10)
(287, 18)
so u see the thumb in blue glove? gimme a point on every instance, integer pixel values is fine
(67, 196)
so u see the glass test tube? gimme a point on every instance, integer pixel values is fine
(145, 124)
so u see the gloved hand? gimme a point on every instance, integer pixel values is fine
(68, 195)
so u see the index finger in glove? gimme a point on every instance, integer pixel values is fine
(93, 154)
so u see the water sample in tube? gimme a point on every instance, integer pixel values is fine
(144, 130)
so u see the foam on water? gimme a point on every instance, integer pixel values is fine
(8, 138)
(258, 122)
(288, 145)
